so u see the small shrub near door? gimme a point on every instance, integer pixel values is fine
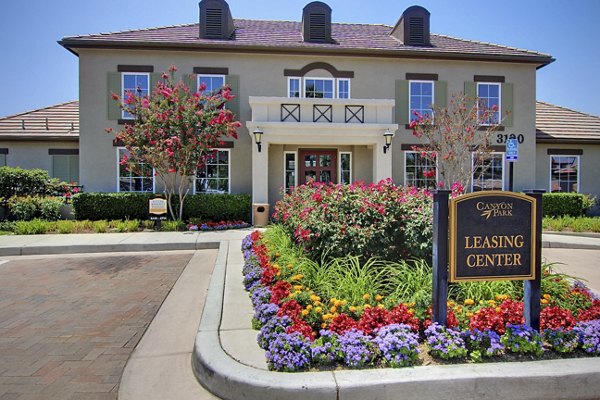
(566, 204)
(30, 207)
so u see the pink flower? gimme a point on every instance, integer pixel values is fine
(145, 103)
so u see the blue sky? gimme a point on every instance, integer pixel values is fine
(37, 72)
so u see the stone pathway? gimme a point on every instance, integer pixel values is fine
(69, 323)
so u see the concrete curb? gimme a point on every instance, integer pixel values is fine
(229, 379)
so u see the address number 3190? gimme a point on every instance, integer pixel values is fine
(501, 138)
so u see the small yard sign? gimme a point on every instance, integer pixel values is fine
(492, 236)
(157, 206)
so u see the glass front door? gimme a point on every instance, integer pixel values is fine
(319, 165)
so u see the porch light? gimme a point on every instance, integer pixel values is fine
(258, 137)
(388, 135)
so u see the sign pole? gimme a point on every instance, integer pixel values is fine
(440, 256)
(512, 155)
(511, 175)
(533, 288)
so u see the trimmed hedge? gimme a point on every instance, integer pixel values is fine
(208, 207)
(562, 204)
(15, 181)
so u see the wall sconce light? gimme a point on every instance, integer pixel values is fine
(388, 135)
(258, 138)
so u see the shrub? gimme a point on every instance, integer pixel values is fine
(49, 207)
(30, 207)
(218, 207)
(561, 204)
(26, 182)
(33, 227)
(380, 220)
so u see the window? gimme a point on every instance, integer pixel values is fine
(419, 169)
(140, 180)
(564, 173)
(421, 99)
(290, 171)
(489, 97)
(66, 168)
(212, 82)
(319, 88)
(345, 168)
(214, 177)
(343, 88)
(136, 83)
(488, 175)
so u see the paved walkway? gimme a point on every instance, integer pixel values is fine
(69, 324)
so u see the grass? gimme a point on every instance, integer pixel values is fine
(571, 224)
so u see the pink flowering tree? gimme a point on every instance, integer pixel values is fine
(174, 131)
(457, 139)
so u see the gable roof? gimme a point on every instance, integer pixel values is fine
(57, 122)
(555, 124)
(286, 36)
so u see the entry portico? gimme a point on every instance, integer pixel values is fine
(315, 132)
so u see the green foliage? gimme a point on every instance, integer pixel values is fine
(26, 182)
(100, 226)
(30, 207)
(33, 227)
(573, 224)
(49, 208)
(172, 226)
(412, 282)
(561, 204)
(379, 220)
(113, 206)
(484, 291)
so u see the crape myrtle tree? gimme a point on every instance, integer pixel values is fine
(456, 139)
(174, 131)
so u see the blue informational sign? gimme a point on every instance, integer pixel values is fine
(512, 150)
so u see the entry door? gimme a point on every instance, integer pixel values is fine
(320, 165)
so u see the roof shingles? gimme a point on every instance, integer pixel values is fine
(53, 122)
(559, 124)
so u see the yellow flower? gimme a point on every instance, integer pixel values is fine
(469, 302)
(451, 303)
(277, 254)
(309, 307)
(469, 314)
(314, 298)
(333, 309)
(323, 325)
(338, 303)
(498, 309)
(366, 296)
(501, 297)
(298, 287)
(352, 309)
(344, 302)
(380, 306)
(305, 313)
(367, 306)
(378, 297)
(318, 310)
(547, 296)
(492, 303)
(289, 266)
(411, 310)
(544, 301)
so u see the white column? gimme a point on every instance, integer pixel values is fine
(382, 163)
(260, 173)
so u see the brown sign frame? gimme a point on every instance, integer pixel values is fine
(495, 226)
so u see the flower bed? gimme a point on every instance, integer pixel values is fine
(218, 226)
(301, 329)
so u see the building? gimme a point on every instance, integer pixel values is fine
(324, 95)
(47, 138)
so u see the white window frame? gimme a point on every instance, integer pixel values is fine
(289, 87)
(333, 86)
(578, 158)
(405, 165)
(119, 176)
(340, 166)
(210, 76)
(123, 74)
(285, 153)
(493, 153)
(228, 175)
(499, 102)
(410, 114)
(337, 85)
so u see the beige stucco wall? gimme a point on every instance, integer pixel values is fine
(589, 167)
(262, 75)
(33, 154)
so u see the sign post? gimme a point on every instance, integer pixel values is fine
(157, 208)
(533, 288)
(512, 155)
(440, 256)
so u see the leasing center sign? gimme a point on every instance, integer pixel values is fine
(492, 237)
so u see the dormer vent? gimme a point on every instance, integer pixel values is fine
(412, 28)
(215, 20)
(316, 22)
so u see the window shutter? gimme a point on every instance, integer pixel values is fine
(506, 104)
(234, 83)
(402, 102)
(471, 93)
(60, 167)
(191, 81)
(74, 169)
(154, 79)
(114, 86)
(441, 93)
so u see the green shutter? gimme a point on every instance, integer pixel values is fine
(441, 94)
(114, 86)
(154, 79)
(74, 169)
(506, 104)
(191, 81)
(234, 83)
(60, 167)
(471, 93)
(402, 102)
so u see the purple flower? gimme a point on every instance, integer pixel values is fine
(288, 352)
(444, 342)
(356, 349)
(486, 342)
(398, 345)
(589, 336)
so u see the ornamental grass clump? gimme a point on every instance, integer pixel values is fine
(288, 352)
(561, 340)
(589, 336)
(445, 343)
(398, 345)
(522, 339)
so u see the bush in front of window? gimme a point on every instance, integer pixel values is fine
(27, 208)
(566, 204)
(131, 205)
(15, 181)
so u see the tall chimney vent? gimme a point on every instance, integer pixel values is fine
(215, 20)
(316, 22)
(412, 28)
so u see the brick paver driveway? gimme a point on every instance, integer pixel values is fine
(68, 324)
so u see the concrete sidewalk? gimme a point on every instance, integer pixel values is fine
(227, 360)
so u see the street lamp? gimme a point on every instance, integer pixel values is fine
(258, 137)
(388, 135)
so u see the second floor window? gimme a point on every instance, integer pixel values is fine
(136, 83)
(211, 82)
(489, 100)
(319, 88)
(421, 99)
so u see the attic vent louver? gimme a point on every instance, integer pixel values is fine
(412, 28)
(316, 22)
(215, 20)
